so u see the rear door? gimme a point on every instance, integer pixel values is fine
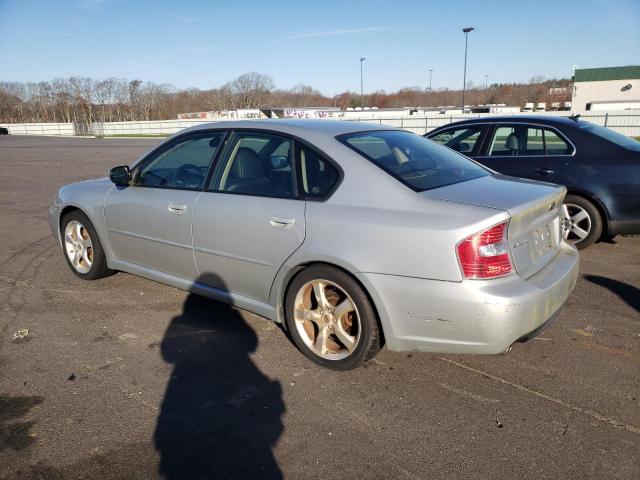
(527, 151)
(251, 218)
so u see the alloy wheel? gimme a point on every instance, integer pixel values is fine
(576, 223)
(78, 246)
(327, 319)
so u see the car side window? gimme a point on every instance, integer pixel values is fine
(183, 165)
(517, 140)
(523, 140)
(461, 140)
(257, 164)
(317, 174)
(555, 145)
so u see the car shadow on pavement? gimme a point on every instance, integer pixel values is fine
(220, 416)
(628, 293)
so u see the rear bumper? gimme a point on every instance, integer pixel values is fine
(479, 317)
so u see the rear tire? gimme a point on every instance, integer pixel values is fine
(582, 223)
(331, 319)
(82, 248)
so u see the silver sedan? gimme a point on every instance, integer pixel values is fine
(350, 235)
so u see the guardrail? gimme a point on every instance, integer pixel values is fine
(620, 121)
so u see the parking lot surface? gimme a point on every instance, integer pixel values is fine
(124, 378)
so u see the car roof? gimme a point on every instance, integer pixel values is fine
(540, 119)
(296, 127)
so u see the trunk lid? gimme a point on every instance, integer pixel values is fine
(534, 229)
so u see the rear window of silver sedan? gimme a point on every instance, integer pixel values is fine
(417, 162)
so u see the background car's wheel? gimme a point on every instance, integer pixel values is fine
(582, 223)
(82, 248)
(331, 319)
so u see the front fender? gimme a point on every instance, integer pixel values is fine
(87, 196)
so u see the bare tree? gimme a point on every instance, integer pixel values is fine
(252, 89)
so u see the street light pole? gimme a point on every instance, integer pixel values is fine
(486, 83)
(430, 74)
(466, 31)
(362, 59)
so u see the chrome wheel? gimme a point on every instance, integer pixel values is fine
(576, 223)
(77, 244)
(327, 320)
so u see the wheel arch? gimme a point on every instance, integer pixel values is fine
(602, 209)
(294, 270)
(73, 207)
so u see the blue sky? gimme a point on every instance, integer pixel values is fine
(206, 43)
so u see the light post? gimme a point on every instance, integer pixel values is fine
(486, 84)
(362, 59)
(466, 31)
(430, 75)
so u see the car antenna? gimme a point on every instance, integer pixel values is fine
(574, 117)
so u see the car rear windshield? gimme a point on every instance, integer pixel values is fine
(417, 162)
(608, 134)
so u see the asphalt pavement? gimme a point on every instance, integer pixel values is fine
(124, 378)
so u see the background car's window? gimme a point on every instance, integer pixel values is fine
(555, 145)
(522, 140)
(258, 164)
(517, 140)
(462, 140)
(318, 175)
(183, 165)
(417, 162)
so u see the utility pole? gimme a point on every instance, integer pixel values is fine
(430, 75)
(362, 59)
(466, 31)
(486, 84)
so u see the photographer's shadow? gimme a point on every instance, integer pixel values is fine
(220, 416)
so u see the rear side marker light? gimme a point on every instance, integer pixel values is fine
(485, 254)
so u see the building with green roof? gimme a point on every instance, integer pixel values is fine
(607, 88)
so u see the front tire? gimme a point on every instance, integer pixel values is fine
(582, 222)
(82, 248)
(330, 318)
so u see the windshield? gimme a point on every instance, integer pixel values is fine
(608, 134)
(417, 162)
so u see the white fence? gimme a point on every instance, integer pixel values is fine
(40, 128)
(625, 122)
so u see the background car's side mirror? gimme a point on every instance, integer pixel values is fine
(279, 161)
(121, 176)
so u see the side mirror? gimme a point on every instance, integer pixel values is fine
(279, 161)
(121, 176)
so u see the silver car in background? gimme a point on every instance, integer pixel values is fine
(350, 235)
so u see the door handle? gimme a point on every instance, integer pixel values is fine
(176, 209)
(282, 222)
(544, 171)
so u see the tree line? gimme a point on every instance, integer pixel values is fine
(83, 99)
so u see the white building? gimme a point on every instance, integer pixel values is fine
(610, 88)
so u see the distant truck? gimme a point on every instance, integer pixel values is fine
(528, 107)
(541, 107)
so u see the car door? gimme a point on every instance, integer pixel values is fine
(528, 151)
(149, 222)
(251, 218)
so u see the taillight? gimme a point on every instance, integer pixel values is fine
(485, 254)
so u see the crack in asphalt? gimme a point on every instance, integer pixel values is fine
(597, 416)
